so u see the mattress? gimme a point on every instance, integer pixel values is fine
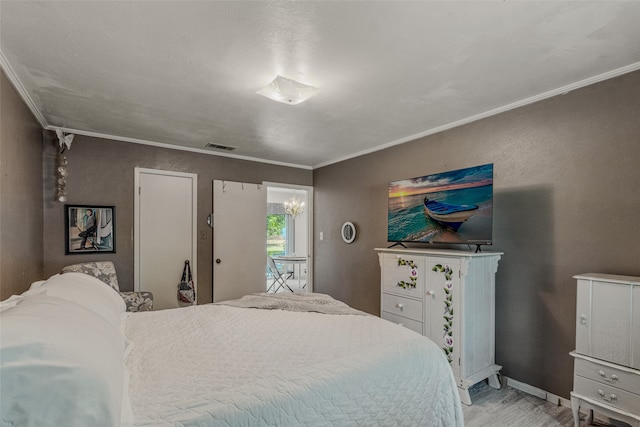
(217, 365)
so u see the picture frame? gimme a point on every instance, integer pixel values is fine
(89, 229)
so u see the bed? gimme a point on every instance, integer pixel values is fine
(72, 356)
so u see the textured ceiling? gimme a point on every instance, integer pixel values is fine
(186, 73)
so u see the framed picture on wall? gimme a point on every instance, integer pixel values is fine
(89, 229)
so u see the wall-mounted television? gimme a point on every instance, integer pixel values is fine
(448, 207)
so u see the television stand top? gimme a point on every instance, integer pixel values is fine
(436, 252)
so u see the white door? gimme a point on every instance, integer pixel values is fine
(239, 239)
(164, 233)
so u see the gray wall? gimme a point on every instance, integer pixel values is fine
(101, 172)
(21, 251)
(567, 201)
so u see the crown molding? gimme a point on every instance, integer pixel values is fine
(175, 147)
(544, 95)
(13, 78)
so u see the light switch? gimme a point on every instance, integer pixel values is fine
(321, 235)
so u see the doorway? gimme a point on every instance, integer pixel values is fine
(289, 237)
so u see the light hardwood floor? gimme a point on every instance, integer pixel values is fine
(509, 407)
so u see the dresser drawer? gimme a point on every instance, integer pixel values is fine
(403, 321)
(605, 394)
(401, 306)
(403, 274)
(608, 375)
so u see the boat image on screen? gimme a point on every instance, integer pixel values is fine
(448, 207)
(452, 216)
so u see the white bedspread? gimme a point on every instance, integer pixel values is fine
(216, 365)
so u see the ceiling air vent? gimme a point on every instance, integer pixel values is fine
(220, 147)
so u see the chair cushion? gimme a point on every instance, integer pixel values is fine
(103, 270)
(138, 301)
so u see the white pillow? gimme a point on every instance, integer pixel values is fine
(14, 299)
(10, 302)
(88, 291)
(36, 285)
(61, 365)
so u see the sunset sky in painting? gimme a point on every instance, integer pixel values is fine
(454, 180)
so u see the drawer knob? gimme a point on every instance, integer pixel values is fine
(613, 378)
(431, 293)
(400, 306)
(583, 319)
(612, 397)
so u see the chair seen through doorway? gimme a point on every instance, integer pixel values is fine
(279, 278)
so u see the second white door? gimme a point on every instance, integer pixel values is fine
(239, 237)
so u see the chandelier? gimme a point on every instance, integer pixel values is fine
(294, 207)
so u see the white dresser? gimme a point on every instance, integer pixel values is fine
(607, 355)
(448, 296)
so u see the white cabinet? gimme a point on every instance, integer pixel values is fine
(448, 296)
(607, 356)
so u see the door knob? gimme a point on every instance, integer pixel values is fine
(218, 260)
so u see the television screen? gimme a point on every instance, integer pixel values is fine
(447, 207)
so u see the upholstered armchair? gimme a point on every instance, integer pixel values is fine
(106, 271)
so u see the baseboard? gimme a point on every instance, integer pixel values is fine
(556, 400)
(537, 392)
(529, 389)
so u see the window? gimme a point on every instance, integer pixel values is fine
(281, 236)
(276, 233)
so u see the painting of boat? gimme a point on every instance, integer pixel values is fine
(448, 215)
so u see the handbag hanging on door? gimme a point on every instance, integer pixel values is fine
(186, 290)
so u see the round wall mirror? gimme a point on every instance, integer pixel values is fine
(348, 232)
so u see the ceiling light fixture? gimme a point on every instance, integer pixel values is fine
(288, 91)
